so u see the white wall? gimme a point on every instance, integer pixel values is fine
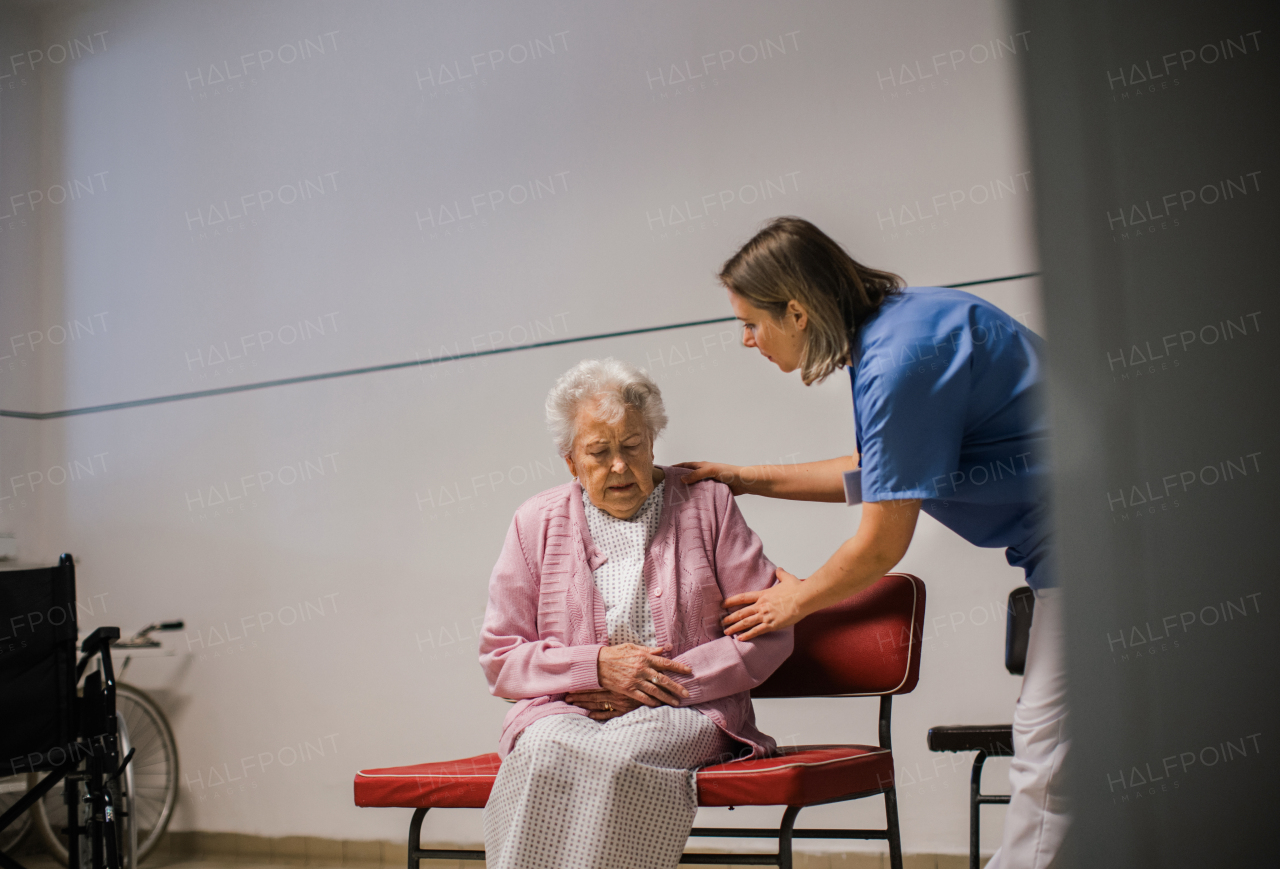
(383, 669)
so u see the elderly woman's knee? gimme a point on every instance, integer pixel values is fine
(553, 752)
(546, 748)
(537, 738)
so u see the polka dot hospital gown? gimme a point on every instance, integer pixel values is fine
(581, 794)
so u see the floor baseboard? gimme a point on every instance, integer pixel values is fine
(241, 848)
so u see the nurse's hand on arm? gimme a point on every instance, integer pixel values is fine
(811, 481)
(882, 539)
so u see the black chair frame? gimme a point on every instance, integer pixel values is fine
(785, 833)
(977, 799)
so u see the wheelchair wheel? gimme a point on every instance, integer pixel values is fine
(154, 772)
(11, 790)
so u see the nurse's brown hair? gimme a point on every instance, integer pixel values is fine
(792, 259)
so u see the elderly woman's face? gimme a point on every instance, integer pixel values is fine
(613, 461)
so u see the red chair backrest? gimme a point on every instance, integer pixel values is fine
(867, 645)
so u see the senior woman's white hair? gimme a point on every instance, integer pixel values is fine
(617, 385)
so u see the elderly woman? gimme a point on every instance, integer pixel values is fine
(604, 623)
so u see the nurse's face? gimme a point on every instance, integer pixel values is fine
(780, 340)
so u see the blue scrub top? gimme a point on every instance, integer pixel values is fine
(949, 408)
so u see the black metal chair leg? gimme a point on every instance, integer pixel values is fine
(975, 791)
(415, 837)
(71, 799)
(784, 836)
(894, 834)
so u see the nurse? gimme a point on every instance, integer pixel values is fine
(949, 419)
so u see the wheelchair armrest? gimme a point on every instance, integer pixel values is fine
(100, 638)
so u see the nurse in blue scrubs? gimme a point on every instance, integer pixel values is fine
(949, 419)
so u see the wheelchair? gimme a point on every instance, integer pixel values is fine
(59, 725)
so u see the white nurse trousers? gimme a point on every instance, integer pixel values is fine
(1037, 819)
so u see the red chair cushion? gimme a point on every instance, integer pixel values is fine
(453, 784)
(801, 776)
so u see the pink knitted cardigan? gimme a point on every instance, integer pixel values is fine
(545, 622)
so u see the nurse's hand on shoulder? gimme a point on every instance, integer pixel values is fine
(727, 474)
(763, 611)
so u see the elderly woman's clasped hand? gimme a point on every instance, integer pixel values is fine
(631, 676)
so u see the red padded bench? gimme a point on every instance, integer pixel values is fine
(868, 646)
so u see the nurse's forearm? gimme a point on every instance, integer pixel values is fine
(811, 481)
(853, 567)
(881, 541)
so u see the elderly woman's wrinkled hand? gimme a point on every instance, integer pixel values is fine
(602, 705)
(638, 672)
